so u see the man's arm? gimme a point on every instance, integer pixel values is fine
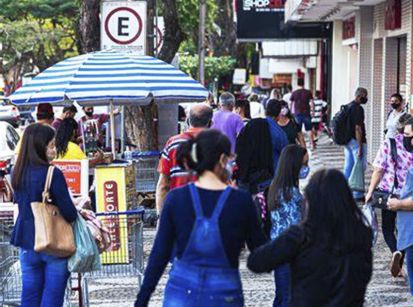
(301, 140)
(359, 138)
(400, 204)
(162, 188)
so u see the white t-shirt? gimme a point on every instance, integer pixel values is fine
(392, 123)
(257, 110)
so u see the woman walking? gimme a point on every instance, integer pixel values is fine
(391, 167)
(329, 252)
(285, 204)
(44, 277)
(242, 108)
(208, 223)
(287, 123)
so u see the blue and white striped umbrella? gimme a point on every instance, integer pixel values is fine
(105, 77)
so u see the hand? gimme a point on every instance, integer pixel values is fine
(98, 155)
(393, 204)
(360, 152)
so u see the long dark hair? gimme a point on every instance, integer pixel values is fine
(333, 219)
(245, 105)
(33, 150)
(64, 135)
(286, 176)
(203, 152)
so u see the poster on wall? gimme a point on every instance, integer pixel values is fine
(259, 20)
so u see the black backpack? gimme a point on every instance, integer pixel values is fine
(341, 126)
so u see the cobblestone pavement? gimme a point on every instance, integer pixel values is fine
(383, 290)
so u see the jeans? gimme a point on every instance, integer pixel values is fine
(282, 275)
(409, 264)
(388, 225)
(44, 279)
(351, 156)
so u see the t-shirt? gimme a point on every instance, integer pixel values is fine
(392, 123)
(317, 113)
(74, 152)
(257, 110)
(168, 165)
(278, 140)
(356, 117)
(56, 123)
(301, 99)
(229, 124)
(291, 130)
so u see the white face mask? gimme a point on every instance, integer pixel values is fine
(284, 111)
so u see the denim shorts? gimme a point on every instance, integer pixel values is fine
(305, 120)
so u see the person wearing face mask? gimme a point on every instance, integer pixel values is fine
(288, 124)
(285, 206)
(391, 167)
(397, 105)
(356, 148)
(209, 222)
(44, 277)
(404, 208)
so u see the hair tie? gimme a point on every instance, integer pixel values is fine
(193, 153)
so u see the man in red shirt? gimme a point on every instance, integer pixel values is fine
(171, 174)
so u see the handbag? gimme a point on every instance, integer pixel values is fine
(86, 258)
(53, 234)
(98, 229)
(380, 197)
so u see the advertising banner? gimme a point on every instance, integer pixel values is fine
(76, 174)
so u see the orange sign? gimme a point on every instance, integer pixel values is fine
(72, 170)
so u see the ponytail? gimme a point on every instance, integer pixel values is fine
(203, 152)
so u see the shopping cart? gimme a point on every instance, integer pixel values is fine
(126, 257)
(146, 168)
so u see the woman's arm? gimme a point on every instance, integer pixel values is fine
(375, 180)
(160, 254)
(282, 250)
(60, 196)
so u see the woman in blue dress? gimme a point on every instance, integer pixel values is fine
(208, 224)
(285, 204)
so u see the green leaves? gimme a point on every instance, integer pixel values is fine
(215, 67)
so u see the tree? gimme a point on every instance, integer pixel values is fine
(88, 29)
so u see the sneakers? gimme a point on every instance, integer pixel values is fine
(396, 263)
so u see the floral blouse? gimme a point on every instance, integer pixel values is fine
(287, 214)
(384, 161)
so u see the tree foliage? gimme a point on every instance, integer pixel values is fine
(215, 67)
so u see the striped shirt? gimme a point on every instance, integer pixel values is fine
(317, 112)
(168, 165)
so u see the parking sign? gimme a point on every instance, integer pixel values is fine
(123, 26)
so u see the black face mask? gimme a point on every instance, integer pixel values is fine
(363, 100)
(407, 142)
(395, 105)
(89, 113)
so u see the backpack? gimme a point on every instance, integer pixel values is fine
(341, 126)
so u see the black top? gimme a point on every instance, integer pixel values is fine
(356, 117)
(291, 130)
(320, 277)
(238, 225)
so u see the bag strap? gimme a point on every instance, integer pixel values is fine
(393, 151)
(49, 177)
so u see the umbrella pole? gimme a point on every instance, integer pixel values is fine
(122, 129)
(112, 130)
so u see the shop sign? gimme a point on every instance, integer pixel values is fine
(76, 174)
(240, 76)
(393, 15)
(349, 28)
(279, 80)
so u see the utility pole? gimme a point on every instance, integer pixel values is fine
(201, 42)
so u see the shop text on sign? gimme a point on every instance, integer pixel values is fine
(112, 205)
(123, 26)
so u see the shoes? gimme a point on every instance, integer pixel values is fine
(396, 264)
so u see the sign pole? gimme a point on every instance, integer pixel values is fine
(201, 42)
(150, 27)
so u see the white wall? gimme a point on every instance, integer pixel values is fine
(339, 95)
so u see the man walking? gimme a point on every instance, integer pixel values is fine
(171, 174)
(226, 121)
(356, 148)
(301, 100)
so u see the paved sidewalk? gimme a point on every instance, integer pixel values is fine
(383, 290)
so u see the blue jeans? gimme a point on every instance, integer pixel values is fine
(350, 156)
(409, 264)
(44, 279)
(305, 120)
(282, 275)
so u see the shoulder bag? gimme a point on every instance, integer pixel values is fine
(379, 197)
(53, 234)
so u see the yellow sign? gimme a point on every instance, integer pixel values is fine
(111, 197)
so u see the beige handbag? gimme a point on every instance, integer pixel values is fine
(53, 234)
